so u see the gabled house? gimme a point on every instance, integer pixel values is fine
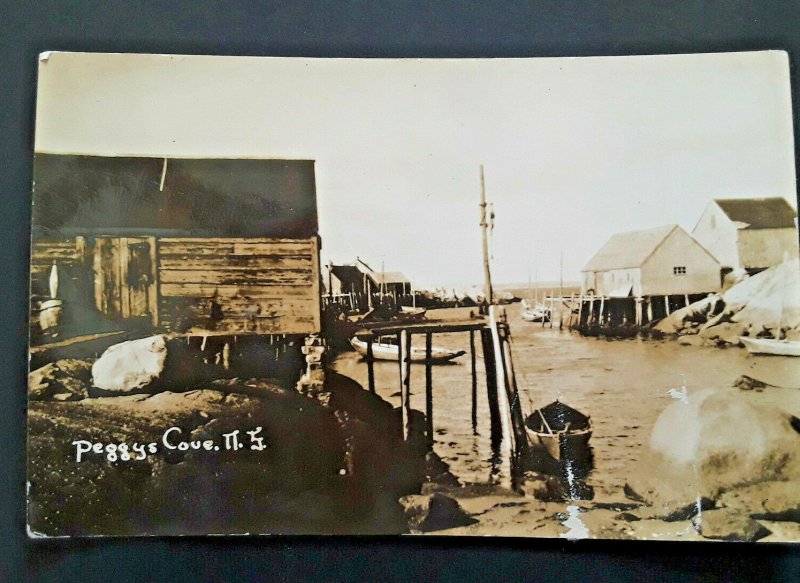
(359, 277)
(748, 233)
(662, 261)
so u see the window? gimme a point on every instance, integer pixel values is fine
(679, 270)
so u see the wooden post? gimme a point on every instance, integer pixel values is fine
(580, 310)
(638, 311)
(591, 310)
(649, 310)
(686, 299)
(474, 369)
(601, 316)
(405, 380)
(491, 385)
(515, 407)
(370, 366)
(571, 309)
(502, 394)
(666, 304)
(429, 388)
(484, 226)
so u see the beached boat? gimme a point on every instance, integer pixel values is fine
(560, 431)
(387, 351)
(412, 312)
(771, 346)
(536, 313)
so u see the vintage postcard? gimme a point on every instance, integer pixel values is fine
(513, 297)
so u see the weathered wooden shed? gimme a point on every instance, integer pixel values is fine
(662, 261)
(229, 246)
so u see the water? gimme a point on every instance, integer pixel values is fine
(622, 384)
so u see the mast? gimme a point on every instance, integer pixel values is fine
(484, 226)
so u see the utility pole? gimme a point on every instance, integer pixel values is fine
(484, 227)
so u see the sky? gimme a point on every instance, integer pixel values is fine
(573, 149)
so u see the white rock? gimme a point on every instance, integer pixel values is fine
(131, 366)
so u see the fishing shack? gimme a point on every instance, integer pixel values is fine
(641, 276)
(206, 247)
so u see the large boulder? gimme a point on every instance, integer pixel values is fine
(150, 365)
(768, 500)
(713, 442)
(131, 367)
(724, 332)
(426, 513)
(729, 525)
(695, 312)
(65, 380)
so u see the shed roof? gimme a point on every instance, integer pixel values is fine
(630, 249)
(348, 274)
(389, 277)
(759, 213)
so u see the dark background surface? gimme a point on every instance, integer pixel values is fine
(343, 29)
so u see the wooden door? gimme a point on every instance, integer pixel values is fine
(125, 275)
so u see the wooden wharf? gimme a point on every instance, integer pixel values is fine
(507, 428)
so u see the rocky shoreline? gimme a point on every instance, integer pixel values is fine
(332, 461)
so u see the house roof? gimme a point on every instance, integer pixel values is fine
(355, 274)
(348, 274)
(630, 249)
(389, 277)
(759, 213)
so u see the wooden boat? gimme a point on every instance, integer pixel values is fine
(560, 431)
(536, 314)
(387, 351)
(413, 313)
(771, 346)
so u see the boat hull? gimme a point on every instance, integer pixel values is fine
(562, 446)
(381, 351)
(768, 346)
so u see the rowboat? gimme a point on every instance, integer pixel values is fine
(771, 346)
(412, 312)
(536, 314)
(560, 431)
(386, 351)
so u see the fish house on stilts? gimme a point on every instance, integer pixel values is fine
(639, 277)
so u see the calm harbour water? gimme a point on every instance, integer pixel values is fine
(621, 384)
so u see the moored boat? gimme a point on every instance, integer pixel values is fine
(536, 314)
(413, 312)
(387, 351)
(560, 431)
(771, 346)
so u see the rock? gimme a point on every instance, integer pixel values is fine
(793, 334)
(747, 383)
(729, 525)
(692, 340)
(682, 319)
(727, 332)
(131, 367)
(51, 382)
(767, 500)
(714, 442)
(434, 512)
(150, 365)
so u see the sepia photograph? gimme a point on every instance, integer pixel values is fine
(534, 297)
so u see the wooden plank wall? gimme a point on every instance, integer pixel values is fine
(43, 253)
(252, 285)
